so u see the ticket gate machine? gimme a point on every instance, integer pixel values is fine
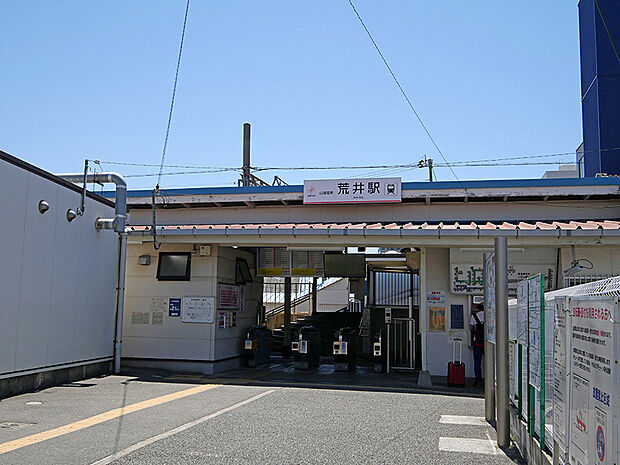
(307, 348)
(344, 350)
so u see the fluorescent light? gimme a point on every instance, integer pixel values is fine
(315, 248)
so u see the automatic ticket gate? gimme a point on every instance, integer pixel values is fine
(394, 346)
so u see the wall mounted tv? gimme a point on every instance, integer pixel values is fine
(339, 265)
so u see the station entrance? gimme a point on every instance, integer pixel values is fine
(363, 310)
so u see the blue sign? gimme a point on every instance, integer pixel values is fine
(174, 306)
(457, 317)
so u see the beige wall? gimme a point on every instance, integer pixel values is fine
(175, 339)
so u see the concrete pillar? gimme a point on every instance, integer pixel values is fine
(425, 378)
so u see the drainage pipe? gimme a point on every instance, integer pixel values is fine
(118, 225)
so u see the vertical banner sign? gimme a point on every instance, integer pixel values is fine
(489, 298)
(536, 330)
(593, 415)
(560, 407)
(174, 306)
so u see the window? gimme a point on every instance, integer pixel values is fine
(174, 266)
(242, 272)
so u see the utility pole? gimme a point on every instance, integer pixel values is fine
(427, 163)
(245, 177)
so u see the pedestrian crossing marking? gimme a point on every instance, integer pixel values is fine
(463, 420)
(474, 446)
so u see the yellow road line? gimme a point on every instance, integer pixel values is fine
(100, 418)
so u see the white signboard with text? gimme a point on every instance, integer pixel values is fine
(468, 278)
(198, 309)
(363, 190)
(593, 415)
(489, 299)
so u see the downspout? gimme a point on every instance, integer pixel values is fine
(118, 225)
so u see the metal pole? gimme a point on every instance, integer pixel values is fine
(387, 350)
(501, 340)
(410, 325)
(489, 362)
(120, 300)
(246, 154)
(314, 294)
(286, 344)
(430, 169)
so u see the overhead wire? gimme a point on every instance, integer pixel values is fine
(174, 93)
(404, 93)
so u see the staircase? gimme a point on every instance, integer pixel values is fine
(327, 323)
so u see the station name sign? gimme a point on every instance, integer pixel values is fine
(361, 190)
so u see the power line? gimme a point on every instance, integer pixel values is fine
(403, 92)
(404, 166)
(395, 169)
(174, 92)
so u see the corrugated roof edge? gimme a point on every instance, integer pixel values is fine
(51, 177)
(438, 185)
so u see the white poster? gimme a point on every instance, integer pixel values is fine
(592, 382)
(363, 190)
(198, 309)
(560, 392)
(535, 331)
(522, 310)
(524, 384)
(489, 299)
(435, 297)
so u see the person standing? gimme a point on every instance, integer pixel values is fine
(476, 326)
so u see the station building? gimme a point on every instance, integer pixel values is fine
(229, 239)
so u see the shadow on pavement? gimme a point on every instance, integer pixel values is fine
(280, 372)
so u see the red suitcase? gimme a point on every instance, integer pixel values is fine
(456, 368)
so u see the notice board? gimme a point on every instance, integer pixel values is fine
(198, 309)
(593, 415)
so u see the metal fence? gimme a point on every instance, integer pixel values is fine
(393, 288)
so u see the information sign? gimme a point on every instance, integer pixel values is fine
(457, 320)
(229, 296)
(522, 312)
(307, 263)
(592, 414)
(469, 279)
(274, 261)
(198, 309)
(174, 306)
(361, 190)
(560, 407)
(489, 298)
(535, 330)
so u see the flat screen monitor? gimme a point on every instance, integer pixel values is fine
(344, 265)
(174, 266)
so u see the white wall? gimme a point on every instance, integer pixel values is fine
(439, 343)
(57, 279)
(174, 339)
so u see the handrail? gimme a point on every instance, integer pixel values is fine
(299, 300)
(294, 303)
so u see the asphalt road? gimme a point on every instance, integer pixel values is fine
(125, 420)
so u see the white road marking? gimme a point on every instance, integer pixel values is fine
(463, 420)
(474, 446)
(178, 429)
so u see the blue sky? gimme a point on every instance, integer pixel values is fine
(93, 80)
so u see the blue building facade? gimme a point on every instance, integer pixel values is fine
(599, 33)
